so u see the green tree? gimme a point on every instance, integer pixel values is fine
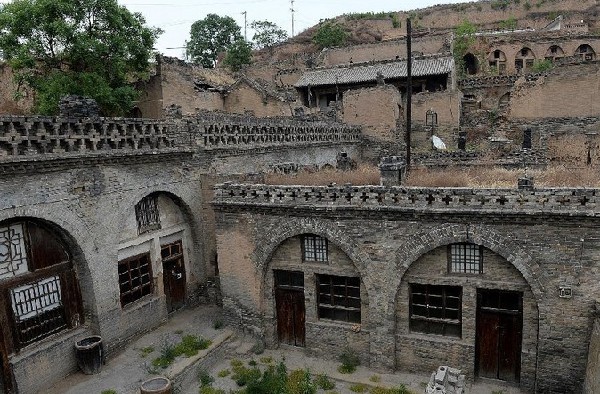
(87, 47)
(464, 38)
(267, 34)
(210, 36)
(330, 34)
(238, 55)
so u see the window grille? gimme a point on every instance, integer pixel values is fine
(338, 298)
(436, 309)
(38, 309)
(314, 248)
(135, 278)
(465, 258)
(13, 255)
(147, 215)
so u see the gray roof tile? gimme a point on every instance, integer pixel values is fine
(368, 72)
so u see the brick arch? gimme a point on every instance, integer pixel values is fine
(72, 230)
(427, 240)
(270, 241)
(128, 206)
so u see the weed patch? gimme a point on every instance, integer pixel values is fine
(349, 360)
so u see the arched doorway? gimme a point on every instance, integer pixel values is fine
(524, 60)
(39, 288)
(554, 53)
(471, 64)
(585, 52)
(474, 301)
(497, 62)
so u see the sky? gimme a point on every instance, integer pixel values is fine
(175, 17)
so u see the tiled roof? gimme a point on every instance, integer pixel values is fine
(368, 72)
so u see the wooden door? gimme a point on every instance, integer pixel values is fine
(174, 277)
(289, 305)
(499, 333)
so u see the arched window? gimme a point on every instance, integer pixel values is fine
(497, 61)
(471, 64)
(585, 52)
(38, 285)
(554, 52)
(524, 60)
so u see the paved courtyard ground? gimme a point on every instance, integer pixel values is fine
(125, 372)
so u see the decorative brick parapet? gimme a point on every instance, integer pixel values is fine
(567, 201)
(496, 80)
(27, 136)
(215, 131)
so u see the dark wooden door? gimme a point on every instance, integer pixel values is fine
(290, 316)
(499, 333)
(174, 277)
(289, 305)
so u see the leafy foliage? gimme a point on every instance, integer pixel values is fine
(509, 24)
(87, 47)
(267, 34)
(463, 40)
(238, 55)
(542, 65)
(189, 346)
(210, 36)
(349, 360)
(330, 34)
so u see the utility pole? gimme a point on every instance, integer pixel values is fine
(408, 90)
(292, 9)
(245, 13)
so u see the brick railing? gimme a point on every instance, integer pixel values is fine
(560, 201)
(25, 136)
(218, 131)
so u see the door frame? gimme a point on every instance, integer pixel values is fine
(500, 312)
(177, 259)
(284, 285)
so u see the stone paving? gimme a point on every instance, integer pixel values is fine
(125, 372)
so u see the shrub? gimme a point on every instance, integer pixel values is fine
(243, 376)
(299, 382)
(204, 378)
(210, 390)
(266, 360)
(330, 34)
(324, 382)
(542, 65)
(218, 324)
(359, 388)
(146, 351)
(110, 391)
(375, 378)
(223, 373)
(273, 381)
(397, 390)
(349, 360)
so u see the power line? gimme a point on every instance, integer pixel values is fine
(292, 9)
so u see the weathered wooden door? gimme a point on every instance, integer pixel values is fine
(289, 304)
(499, 334)
(174, 277)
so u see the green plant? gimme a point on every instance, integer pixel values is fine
(252, 363)
(167, 355)
(542, 65)
(273, 380)
(300, 382)
(500, 4)
(239, 54)
(146, 351)
(527, 6)
(349, 360)
(396, 390)
(223, 373)
(235, 363)
(375, 378)
(330, 34)
(204, 378)
(359, 388)
(509, 24)
(190, 344)
(266, 360)
(324, 382)
(218, 324)
(110, 391)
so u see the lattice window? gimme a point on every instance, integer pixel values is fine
(436, 309)
(147, 215)
(338, 298)
(13, 255)
(38, 309)
(135, 278)
(465, 258)
(314, 248)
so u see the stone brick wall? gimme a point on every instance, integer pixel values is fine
(536, 242)
(245, 98)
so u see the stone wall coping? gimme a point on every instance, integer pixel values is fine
(563, 201)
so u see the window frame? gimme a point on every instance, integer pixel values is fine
(465, 261)
(319, 247)
(146, 288)
(147, 215)
(435, 325)
(42, 322)
(350, 312)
